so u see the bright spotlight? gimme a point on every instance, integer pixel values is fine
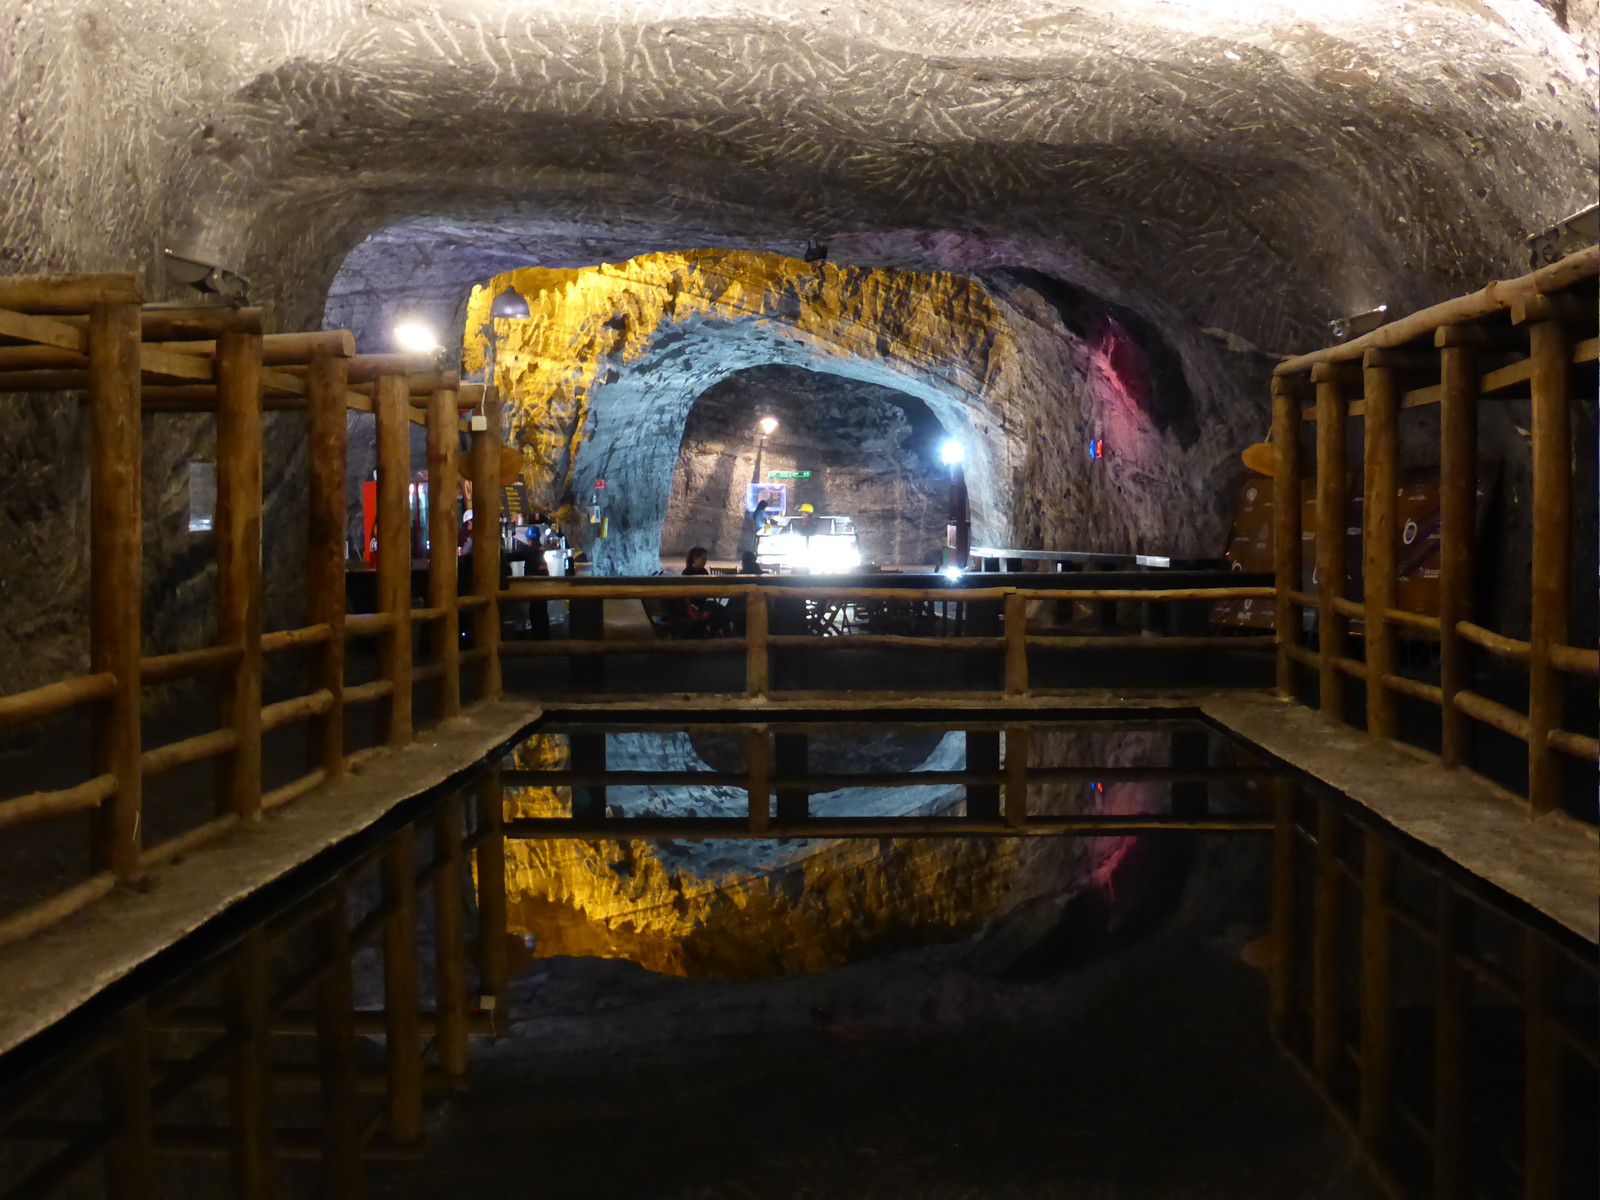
(415, 338)
(953, 574)
(769, 426)
(950, 452)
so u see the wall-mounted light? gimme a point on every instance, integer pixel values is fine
(951, 453)
(415, 338)
(769, 426)
(1343, 329)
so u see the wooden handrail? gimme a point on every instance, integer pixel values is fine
(189, 750)
(1495, 643)
(1492, 713)
(52, 698)
(184, 663)
(37, 806)
(284, 639)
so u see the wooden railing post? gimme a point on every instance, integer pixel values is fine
(757, 669)
(125, 1083)
(1377, 1020)
(1325, 928)
(1378, 536)
(402, 1019)
(1548, 347)
(1016, 632)
(1458, 501)
(1280, 1003)
(115, 537)
(758, 769)
(1285, 527)
(1016, 788)
(336, 1051)
(326, 386)
(491, 863)
(1542, 1068)
(486, 545)
(392, 406)
(238, 537)
(1452, 999)
(444, 440)
(250, 1085)
(450, 965)
(1332, 512)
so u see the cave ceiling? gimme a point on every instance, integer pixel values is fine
(1255, 166)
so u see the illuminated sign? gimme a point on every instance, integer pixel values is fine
(788, 474)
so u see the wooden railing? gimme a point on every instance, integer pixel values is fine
(92, 334)
(1524, 336)
(767, 626)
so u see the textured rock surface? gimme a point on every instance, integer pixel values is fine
(872, 453)
(1257, 167)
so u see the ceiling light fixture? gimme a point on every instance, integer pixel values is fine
(415, 338)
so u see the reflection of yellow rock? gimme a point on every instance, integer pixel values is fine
(584, 322)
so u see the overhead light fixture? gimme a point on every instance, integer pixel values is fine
(510, 304)
(1344, 329)
(769, 426)
(953, 574)
(415, 338)
(206, 277)
(951, 453)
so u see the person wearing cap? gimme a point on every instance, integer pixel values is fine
(808, 523)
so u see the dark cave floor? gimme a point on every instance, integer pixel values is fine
(1146, 1077)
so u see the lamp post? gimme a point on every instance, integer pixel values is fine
(958, 527)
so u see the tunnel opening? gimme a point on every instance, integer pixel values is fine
(863, 451)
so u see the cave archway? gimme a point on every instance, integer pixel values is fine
(870, 453)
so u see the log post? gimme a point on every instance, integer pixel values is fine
(491, 863)
(450, 966)
(250, 1074)
(1332, 506)
(443, 442)
(1451, 1002)
(1548, 346)
(1377, 1020)
(1325, 945)
(1016, 767)
(486, 544)
(325, 565)
(1379, 473)
(757, 672)
(758, 768)
(1016, 632)
(125, 1087)
(1285, 527)
(392, 406)
(238, 536)
(1280, 981)
(1542, 1066)
(1459, 391)
(336, 1049)
(115, 538)
(402, 1019)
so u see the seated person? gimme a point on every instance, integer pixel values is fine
(712, 615)
(748, 564)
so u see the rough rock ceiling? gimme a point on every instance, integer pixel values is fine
(1186, 156)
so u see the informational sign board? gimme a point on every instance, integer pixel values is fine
(776, 496)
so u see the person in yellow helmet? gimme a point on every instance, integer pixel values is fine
(808, 523)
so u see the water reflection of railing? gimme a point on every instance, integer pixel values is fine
(1453, 1034)
(916, 614)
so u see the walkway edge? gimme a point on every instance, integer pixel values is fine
(1548, 864)
(46, 978)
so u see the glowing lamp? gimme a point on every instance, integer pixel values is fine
(510, 304)
(953, 574)
(769, 426)
(951, 453)
(415, 338)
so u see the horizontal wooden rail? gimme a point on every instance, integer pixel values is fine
(1166, 593)
(368, 624)
(1304, 599)
(1420, 622)
(1575, 744)
(187, 843)
(57, 908)
(280, 796)
(1246, 643)
(38, 806)
(1415, 688)
(285, 639)
(1493, 642)
(314, 704)
(1349, 666)
(42, 331)
(467, 603)
(697, 828)
(52, 698)
(1490, 712)
(1303, 656)
(189, 750)
(184, 663)
(883, 641)
(592, 646)
(1576, 659)
(1349, 608)
(847, 781)
(363, 692)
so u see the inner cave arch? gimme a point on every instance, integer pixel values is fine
(871, 450)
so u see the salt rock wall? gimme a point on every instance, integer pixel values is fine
(600, 378)
(872, 454)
